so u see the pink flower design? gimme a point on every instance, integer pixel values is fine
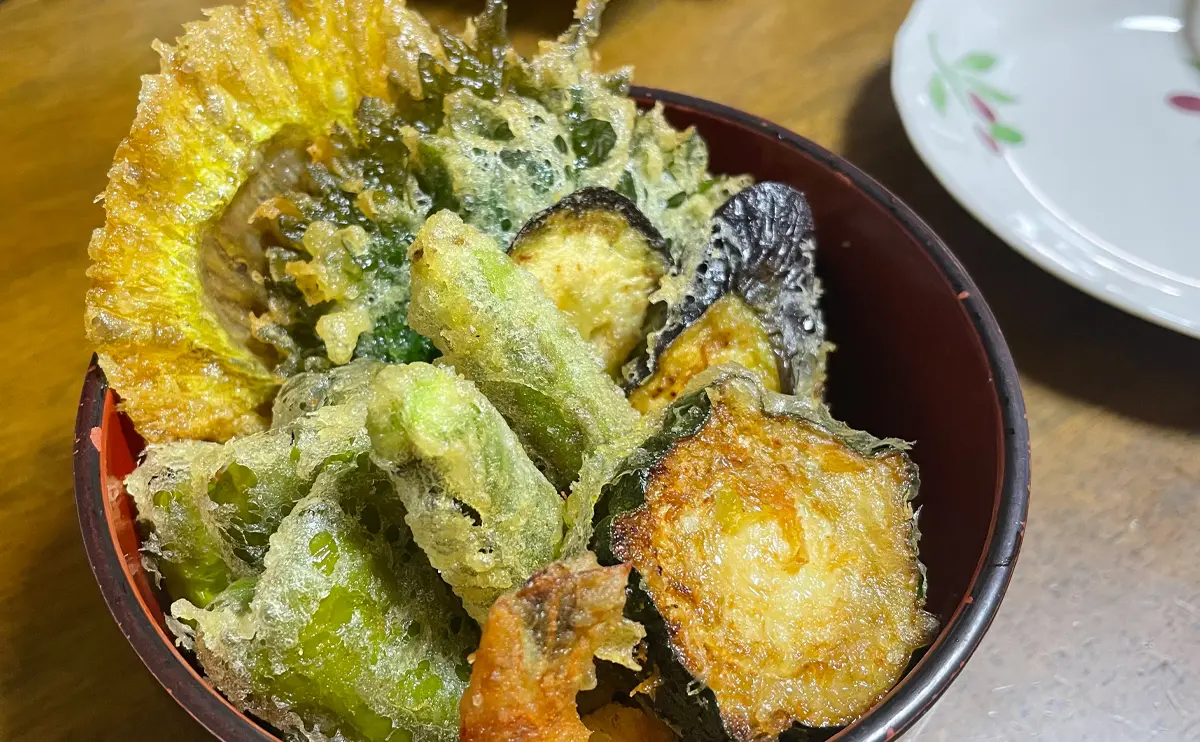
(963, 81)
(983, 108)
(988, 140)
(1186, 102)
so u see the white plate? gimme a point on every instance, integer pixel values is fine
(1070, 128)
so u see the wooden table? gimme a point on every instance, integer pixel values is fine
(1099, 637)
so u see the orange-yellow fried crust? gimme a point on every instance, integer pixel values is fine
(616, 723)
(536, 653)
(227, 88)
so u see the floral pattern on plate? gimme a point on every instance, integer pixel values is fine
(962, 81)
(1186, 102)
(1088, 194)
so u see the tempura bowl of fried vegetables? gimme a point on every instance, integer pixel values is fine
(442, 393)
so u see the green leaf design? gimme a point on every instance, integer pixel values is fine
(1006, 134)
(979, 61)
(937, 93)
(987, 92)
(1196, 63)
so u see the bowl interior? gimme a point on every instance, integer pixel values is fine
(910, 363)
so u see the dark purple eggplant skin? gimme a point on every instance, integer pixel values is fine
(597, 199)
(763, 251)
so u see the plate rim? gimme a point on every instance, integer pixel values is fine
(904, 43)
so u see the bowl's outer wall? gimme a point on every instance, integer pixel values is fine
(105, 450)
(919, 357)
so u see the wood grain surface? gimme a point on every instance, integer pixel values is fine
(1099, 638)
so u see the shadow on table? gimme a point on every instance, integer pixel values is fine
(1059, 336)
(66, 672)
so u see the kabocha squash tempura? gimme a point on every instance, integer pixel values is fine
(417, 329)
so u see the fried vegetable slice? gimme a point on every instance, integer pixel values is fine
(727, 332)
(259, 212)
(492, 322)
(184, 544)
(172, 321)
(616, 723)
(775, 553)
(344, 635)
(761, 252)
(537, 650)
(599, 260)
(209, 509)
(483, 513)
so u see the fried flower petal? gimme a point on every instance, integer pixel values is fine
(537, 651)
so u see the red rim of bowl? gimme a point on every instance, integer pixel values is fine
(912, 696)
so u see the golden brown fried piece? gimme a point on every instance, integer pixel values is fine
(159, 310)
(537, 649)
(779, 549)
(727, 332)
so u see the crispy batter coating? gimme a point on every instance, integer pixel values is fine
(537, 653)
(209, 509)
(493, 323)
(779, 549)
(727, 332)
(348, 634)
(599, 260)
(227, 88)
(483, 513)
(284, 158)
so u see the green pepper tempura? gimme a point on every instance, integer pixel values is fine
(346, 633)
